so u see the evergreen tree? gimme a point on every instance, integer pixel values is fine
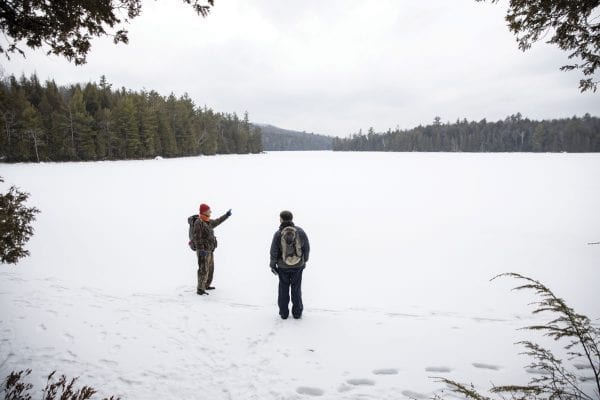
(32, 129)
(208, 133)
(81, 127)
(105, 138)
(15, 225)
(511, 134)
(538, 141)
(54, 119)
(571, 25)
(126, 127)
(148, 125)
(56, 123)
(68, 27)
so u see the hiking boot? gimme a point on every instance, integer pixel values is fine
(210, 288)
(283, 316)
(201, 292)
(297, 316)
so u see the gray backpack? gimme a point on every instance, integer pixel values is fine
(191, 220)
(291, 246)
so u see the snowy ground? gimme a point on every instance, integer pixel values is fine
(397, 290)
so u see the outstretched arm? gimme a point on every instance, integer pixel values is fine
(216, 222)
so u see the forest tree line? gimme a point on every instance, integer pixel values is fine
(46, 122)
(513, 134)
(277, 139)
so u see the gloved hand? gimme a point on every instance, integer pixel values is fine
(274, 270)
(203, 253)
(228, 213)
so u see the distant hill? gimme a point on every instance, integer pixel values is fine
(277, 139)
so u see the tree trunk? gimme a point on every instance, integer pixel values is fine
(35, 145)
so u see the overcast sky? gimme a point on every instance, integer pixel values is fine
(334, 66)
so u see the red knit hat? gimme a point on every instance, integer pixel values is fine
(204, 208)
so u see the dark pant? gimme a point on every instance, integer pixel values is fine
(205, 266)
(211, 270)
(290, 277)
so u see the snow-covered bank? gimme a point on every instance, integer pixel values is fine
(397, 289)
(145, 345)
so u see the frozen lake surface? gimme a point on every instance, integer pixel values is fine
(397, 289)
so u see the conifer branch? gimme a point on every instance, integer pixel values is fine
(553, 379)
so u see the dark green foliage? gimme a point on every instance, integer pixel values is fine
(61, 389)
(554, 379)
(68, 27)
(513, 134)
(14, 388)
(15, 225)
(571, 25)
(51, 123)
(274, 139)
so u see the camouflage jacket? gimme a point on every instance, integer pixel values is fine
(204, 235)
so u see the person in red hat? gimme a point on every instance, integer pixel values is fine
(205, 243)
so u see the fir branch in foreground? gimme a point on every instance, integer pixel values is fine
(553, 379)
(568, 324)
(15, 388)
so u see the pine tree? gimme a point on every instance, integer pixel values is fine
(539, 138)
(15, 225)
(81, 128)
(32, 129)
(148, 125)
(105, 137)
(126, 126)
(53, 114)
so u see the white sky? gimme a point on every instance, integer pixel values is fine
(333, 67)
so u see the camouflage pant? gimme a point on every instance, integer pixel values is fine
(206, 268)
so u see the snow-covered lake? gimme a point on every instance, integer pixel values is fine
(397, 289)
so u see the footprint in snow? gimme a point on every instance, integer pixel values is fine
(344, 388)
(386, 371)
(438, 369)
(582, 366)
(534, 371)
(414, 395)
(360, 382)
(310, 391)
(108, 362)
(487, 366)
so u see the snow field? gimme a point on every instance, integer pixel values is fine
(397, 290)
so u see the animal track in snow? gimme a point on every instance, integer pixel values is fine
(360, 382)
(438, 369)
(310, 391)
(582, 366)
(537, 371)
(414, 395)
(403, 315)
(487, 366)
(385, 371)
(344, 388)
